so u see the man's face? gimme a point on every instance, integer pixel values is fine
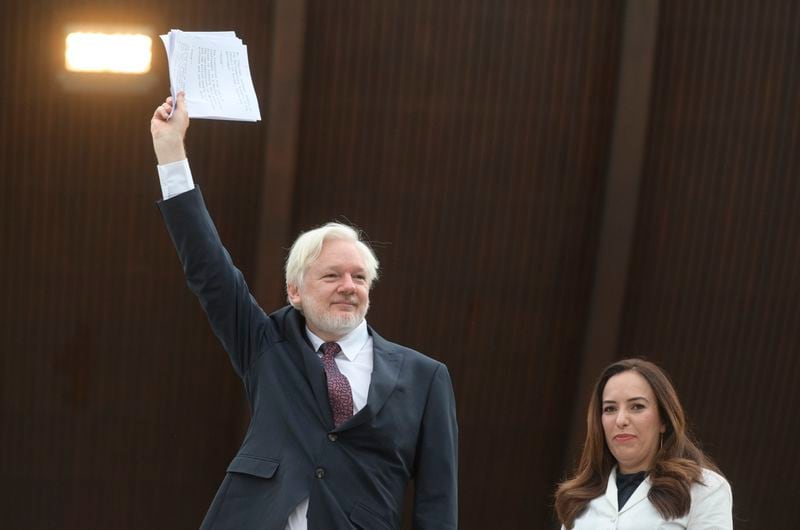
(335, 294)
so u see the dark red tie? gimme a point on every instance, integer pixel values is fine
(339, 393)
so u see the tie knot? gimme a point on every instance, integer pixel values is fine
(330, 349)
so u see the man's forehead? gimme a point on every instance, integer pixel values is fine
(340, 253)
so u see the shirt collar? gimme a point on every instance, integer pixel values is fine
(351, 344)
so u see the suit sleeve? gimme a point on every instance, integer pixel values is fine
(211, 275)
(436, 469)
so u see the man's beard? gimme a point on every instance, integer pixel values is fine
(337, 324)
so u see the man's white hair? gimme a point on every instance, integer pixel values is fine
(308, 246)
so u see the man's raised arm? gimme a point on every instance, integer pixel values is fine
(210, 273)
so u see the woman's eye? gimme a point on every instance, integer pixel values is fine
(608, 410)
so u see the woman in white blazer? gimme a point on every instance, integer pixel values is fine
(640, 468)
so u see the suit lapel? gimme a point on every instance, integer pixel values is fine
(315, 373)
(386, 364)
(387, 361)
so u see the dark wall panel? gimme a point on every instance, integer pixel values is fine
(118, 409)
(713, 291)
(470, 141)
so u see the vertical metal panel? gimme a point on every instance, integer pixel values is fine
(620, 205)
(282, 120)
(713, 288)
(470, 140)
(118, 408)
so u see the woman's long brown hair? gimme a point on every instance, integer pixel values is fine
(678, 464)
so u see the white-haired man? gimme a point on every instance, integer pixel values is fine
(342, 419)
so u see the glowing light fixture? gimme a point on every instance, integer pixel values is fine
(118, 53)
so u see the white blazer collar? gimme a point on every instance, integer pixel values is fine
(638, 496)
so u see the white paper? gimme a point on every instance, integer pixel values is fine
(213, 70)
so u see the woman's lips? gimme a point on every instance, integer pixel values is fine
(624, 437)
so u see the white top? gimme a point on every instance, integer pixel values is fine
(712, 508)
(355, 359)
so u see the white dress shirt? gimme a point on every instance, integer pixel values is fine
(355, 359)
(176, 178)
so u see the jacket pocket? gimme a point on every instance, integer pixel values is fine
(253, 465)
(366, 518)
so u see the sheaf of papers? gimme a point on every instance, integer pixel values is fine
(213, 70)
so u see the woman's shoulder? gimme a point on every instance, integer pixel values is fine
(712, 503)
(712, 484)
(713, 479)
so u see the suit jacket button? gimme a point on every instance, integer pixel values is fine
(319, 473)
(333, 436)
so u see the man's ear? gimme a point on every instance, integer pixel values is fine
(294, 294)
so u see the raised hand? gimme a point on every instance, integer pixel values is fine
(169, 132)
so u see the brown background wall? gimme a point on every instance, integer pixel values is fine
(714, 290)
(472, 140)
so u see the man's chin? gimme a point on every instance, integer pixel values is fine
(340, 324)
(346, 322)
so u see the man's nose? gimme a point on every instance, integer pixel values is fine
(347, 284)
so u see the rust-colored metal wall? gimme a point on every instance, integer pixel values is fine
(471, 140)
(713, 288)
(118, 408)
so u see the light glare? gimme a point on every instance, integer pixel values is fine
(115, 53)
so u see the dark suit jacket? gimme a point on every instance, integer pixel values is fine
(355, 476)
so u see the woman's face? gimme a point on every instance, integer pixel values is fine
(631, 422)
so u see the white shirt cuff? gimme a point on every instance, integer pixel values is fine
(176, 178)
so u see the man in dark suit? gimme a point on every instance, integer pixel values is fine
(341, 419)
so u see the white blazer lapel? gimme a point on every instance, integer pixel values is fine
(611, 489)
(638, 496)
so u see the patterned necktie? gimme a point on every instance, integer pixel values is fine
(339, 393)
